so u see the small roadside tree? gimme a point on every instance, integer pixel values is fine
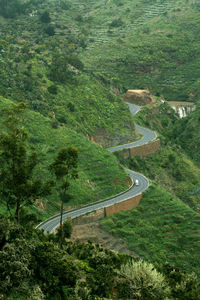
(18, 185)
(64, 167)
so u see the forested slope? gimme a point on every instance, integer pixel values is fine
(71, 62)
(40, 65)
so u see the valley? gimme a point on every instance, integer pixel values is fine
(117, 82)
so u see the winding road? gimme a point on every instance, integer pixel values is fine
(52, 223)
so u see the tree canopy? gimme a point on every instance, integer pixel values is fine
(19, 185)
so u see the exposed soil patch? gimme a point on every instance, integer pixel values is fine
(94, 233)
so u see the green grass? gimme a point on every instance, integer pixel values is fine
(81, 102)
(175, 171)
(187, 135)
(157, 47)
(160, 229)
(100, 175)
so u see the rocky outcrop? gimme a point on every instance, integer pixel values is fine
(138, 97)
(103, 138)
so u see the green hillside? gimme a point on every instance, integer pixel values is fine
(72, 62)
(161, 229)
(187, 134)
(44, 69)
(147, 44)
(100, 175)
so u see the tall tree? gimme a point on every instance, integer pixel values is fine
(10, 8)
(18, 185)
(64, 167)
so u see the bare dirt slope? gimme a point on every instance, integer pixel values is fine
(94, 233)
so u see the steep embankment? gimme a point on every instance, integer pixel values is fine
(161, 229)
(40, 64)
(100, 175)
(113, 204)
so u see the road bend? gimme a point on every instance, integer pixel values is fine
(52, 223)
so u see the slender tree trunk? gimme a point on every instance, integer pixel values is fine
(17, 212)
(62, 196)
(8, 208)
(61, 209)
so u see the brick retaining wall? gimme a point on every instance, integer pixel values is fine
(125, 205)
(107, 211)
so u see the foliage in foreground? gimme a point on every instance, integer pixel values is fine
(33, 265)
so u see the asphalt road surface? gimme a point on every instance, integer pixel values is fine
(52, 223)
(147, 134)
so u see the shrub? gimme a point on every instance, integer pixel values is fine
(143, 281)
(45, 17)
(53, 89)
(116, 23)
(50, 30)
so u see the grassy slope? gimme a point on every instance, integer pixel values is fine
(165, 225)
(100, 175)
(188, 135)
(160, 229)
(175, 171)
(81, 102)
(156, 47)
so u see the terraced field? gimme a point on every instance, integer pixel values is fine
(151, 44)
(160, 229)
(102, 33)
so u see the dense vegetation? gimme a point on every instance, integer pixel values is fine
(48, 73)
(32, 266)
(71, 62)
(93, 182)
(40, 65)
